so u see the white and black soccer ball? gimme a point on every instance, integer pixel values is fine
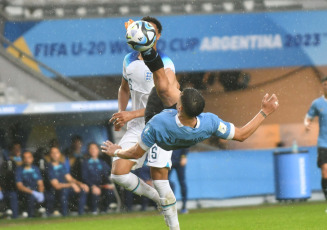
(141, 36)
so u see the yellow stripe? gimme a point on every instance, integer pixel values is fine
(21, 44)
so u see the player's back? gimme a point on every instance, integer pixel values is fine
(166, 130)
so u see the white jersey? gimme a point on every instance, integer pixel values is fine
(140, 81)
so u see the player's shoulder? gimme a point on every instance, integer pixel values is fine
(207, 116)
(168, 112)
(318, 101)
(165, 59)
(131, 57)
(35, 167)
(163, 116)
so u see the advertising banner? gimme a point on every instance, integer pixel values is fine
(96, 47)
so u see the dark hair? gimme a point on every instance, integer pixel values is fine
(54, 143)
(192, 101)
(324, 79)
(12, 145)
(76, 138)
(153, 20)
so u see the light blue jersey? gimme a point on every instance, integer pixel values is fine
(319, 108)
(169, 133)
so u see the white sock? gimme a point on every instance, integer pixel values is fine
(134, 184)
(168, 202)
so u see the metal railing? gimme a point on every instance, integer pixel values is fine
(82, 90)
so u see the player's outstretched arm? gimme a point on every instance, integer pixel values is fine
(113, 150)
(268, 106)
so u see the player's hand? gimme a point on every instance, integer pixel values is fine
(120, 119)
(269, 104)
(85, 188)
(75, 188)
(109, 148)
(96, 190)
(183, 161)
(307, 125)
(127, 24)
(38, 196)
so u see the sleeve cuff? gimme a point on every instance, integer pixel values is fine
(232, 132)
(308, 116)
(143, 145)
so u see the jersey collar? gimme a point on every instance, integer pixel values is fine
(179, 123)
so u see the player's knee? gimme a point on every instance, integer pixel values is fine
(168, 200)
(119, 179)
(324, 171)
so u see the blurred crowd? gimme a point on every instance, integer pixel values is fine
(51, 182)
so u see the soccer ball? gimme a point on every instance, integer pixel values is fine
(141, 36)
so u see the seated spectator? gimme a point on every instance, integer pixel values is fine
(7, 178)
(74, 157)
(29, 184)
(144, 174)
(64, 186)
(41, 160)
(95, 173)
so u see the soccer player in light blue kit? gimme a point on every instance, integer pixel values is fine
(319, 108)
(184, 126)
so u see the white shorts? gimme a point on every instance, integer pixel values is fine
(158, 157)
(129, 139)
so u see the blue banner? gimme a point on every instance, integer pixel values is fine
(194, 42)
(60, 107)
(237, 173)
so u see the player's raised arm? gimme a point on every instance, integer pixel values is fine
(268, 106)
(168, 93)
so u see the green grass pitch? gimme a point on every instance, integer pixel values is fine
(308, 216)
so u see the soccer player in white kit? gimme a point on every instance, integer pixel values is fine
(137, 82)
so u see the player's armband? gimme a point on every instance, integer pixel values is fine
(152, 59)
(143, 145)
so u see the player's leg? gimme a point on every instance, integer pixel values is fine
(160, 162)
(107, 196)
(172, 184)
(121, 170)
(81, 201)
(50, 201)
(122, 176)
(181, 179)
(12, 196)
(167, 197)
(324, 178)
(64, 195)
(95, 198)
(322, 164)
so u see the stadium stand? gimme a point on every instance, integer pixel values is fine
(29, 9)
